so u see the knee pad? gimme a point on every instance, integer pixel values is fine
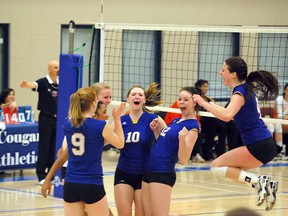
(278, 128)
(219, 171)
(270, 127)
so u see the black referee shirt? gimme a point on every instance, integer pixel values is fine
(47, 95)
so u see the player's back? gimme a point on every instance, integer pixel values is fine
(85, 146)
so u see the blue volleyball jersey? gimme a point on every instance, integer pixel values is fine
(248, 119)
(139, 139)
(164, 153)
(85, 147)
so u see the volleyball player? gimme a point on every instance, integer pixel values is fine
(175, 143)
(101, 111)
(139, 139)
(83, 187)
(259, 147)
(103, 91)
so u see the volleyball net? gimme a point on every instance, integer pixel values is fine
(124, 55)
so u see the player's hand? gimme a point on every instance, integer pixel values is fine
(154, 124)
(183, 133)
(116, 112)
(46, 188)
(198, 99)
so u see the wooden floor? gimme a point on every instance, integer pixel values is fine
(197, 192)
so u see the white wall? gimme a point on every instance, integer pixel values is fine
(35, 25)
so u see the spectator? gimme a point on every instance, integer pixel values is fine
(47, 88)
(7, 99)
(281, 104)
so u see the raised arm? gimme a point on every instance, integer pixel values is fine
(157, 125)
(30, 85)
(114, 134)
(224, 114)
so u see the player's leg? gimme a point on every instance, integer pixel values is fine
(160, 195)
(233, 165)
(139, 209)
(124, 195)
(99, 208)
(146, 198)
(74, 208)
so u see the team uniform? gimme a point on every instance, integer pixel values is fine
(254, 132)
(139, 139)
(160, 166)
(84, 176)
(47, 104)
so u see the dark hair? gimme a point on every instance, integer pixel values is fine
(263, 83)
(200, 83)
(238, 65)
(99, 104)
(4, 93)
(192, 90)
(286, 85)
(152, 95)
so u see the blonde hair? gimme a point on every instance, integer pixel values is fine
(81, 102)
(99, 86)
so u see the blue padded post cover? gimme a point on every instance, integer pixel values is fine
(70, 79)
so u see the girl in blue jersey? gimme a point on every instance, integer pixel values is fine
(83, 187)
(259, 147)
(139, 139)
(174, 143)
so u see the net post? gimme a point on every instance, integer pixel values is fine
(102, 52)
(102, 44)
(71, 36)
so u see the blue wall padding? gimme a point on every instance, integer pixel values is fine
(70, 79)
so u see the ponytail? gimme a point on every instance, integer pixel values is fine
(264, 84)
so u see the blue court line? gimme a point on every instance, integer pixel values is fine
(30, 209)
(110, 173)
(184, 169)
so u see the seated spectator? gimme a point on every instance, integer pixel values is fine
(7, 99)
(281, 105)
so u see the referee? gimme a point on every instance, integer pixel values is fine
(47, 88)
